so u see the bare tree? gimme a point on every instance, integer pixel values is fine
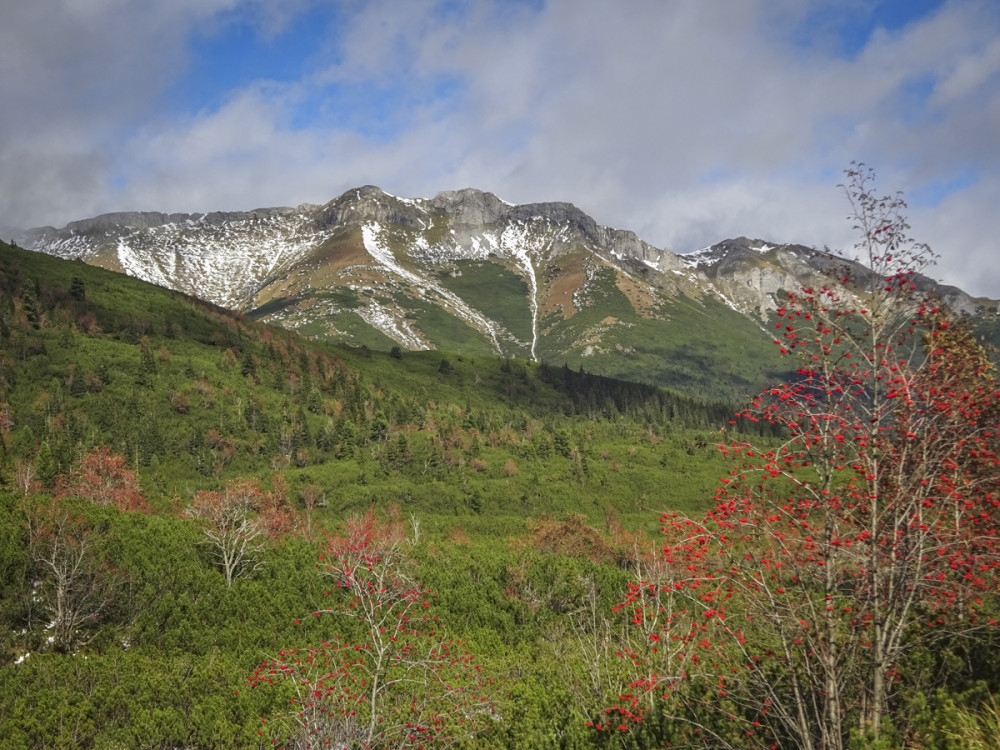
(25, 477)
(75, 587)
(234, 531)
(415, 525)
(313, 496)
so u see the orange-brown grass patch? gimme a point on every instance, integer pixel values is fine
(638, 295)
(570, 278)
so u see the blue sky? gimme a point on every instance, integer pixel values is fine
(687, 121)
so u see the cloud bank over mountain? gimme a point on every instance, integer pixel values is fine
(685, 121)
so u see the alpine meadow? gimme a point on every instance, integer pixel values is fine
(404, 473)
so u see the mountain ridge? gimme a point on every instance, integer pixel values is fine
(468, 271)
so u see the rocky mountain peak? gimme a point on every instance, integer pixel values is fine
(737, 247)
(124, 219)
(557, 213)
(470, 207)
(371, 204)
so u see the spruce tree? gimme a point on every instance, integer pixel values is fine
(45, 464)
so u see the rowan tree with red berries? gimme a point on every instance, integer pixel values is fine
(404, 683)
(871, 530)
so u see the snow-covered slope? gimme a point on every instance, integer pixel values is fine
(222, 258)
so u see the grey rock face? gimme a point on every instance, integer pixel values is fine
(368, 204)
(470, 207)
(557, 213)
(115, 222)
(627, 244)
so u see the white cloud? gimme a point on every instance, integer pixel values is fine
(686, 121)
(970, 73)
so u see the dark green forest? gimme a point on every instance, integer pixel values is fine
(182, 489)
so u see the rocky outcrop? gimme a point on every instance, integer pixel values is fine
(470, 208)
(556, 213)
(370, 204)
(122, 222)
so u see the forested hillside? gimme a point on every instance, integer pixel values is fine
(192, 395)
(217, 534)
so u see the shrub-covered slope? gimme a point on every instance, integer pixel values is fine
(510, 493)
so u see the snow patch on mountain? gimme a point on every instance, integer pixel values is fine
(74, 247)
(393, 324)
(515, 241)
(697, 258)
(371, 232)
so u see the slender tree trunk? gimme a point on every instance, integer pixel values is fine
(373, 704)
(831, 701)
